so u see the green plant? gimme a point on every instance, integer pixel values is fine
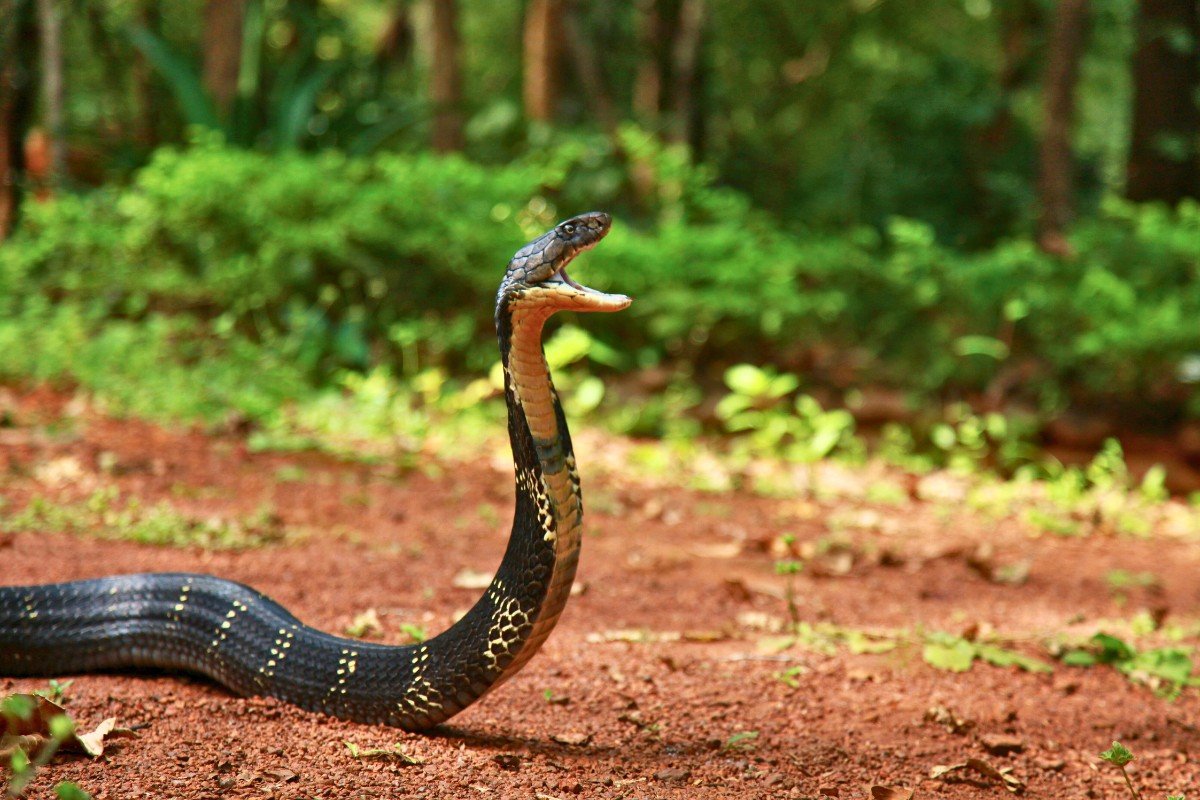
(956, 654)
(740, 741)
(414, 632)
(108, 515)
(1167, 670)
(15, 709)
(1118, 755)
(756, 405)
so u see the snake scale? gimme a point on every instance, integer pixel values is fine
(245, 641)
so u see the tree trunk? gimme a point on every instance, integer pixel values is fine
(543, 32)
(8, 170)
(50, 23)
(145, 94)
(685, 57)
(648, 81)
(1163, 160)
(223, 20)
(446, 79)
(1055, 163)
(590, 72)
(18, 35)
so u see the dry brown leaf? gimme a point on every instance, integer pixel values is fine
(947, 718)
(716, 550)
(470, 579)
(281, 774)
(1002, 776)
(890, 793)
(30, 733)
(365, 625)
(573, 739)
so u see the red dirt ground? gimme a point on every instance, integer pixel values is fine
(626, 719)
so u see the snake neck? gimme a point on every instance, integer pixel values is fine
(549, 510)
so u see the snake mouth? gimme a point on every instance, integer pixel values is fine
(585, 298)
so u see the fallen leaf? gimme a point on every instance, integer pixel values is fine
(1002, 776)
(470, 579)
(395, 753)
(672, 775)
(890, 793)
(365, 625)
(281, 774)
(947, 718)
(28, 722)
(572, 739)
(716, 550)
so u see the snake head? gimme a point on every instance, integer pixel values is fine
(537, 274)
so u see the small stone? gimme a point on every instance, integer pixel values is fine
(828, 791)
(507, 761)
(1001, 745)
(672, 775)
(281, 774)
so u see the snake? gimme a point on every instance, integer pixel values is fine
(238, 637)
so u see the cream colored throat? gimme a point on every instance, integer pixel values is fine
(558, 499)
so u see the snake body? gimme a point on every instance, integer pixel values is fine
(242, 639)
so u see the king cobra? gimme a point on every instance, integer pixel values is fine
(250, 644)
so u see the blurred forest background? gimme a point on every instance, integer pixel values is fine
(971, 223)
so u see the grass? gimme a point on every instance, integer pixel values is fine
(106, 514)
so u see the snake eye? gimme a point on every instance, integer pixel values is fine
(568, 229)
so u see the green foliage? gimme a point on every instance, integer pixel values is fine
(1117, 755)
(105, 514)
(955, 654)
(1165, 669)
(67, 790)
(235, 280)
(804, 431)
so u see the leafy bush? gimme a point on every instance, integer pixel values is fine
(298, 267)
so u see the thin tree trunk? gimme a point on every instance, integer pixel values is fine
(648, 81)
(223, 20)
(446, 79)
(543, 31)
(18, 37)
(50, 23)
(1056, 173)
(1163, 160)
(991, 145)
(145, 95)
(685, 57)
(588, 68)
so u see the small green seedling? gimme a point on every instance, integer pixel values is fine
(70, 791)
(742, 740)
(414, 632)
(1119, 755)
(55, 691)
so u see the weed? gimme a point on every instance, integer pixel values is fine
(1167, 670)
(740, 741)
(107, 515)
(17, 709)
(414, 632)
(956, 654)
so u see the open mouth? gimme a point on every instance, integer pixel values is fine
(592, 299)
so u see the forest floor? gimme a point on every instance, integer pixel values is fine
(670, 674)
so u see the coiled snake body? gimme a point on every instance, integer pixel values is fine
(242, 639)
